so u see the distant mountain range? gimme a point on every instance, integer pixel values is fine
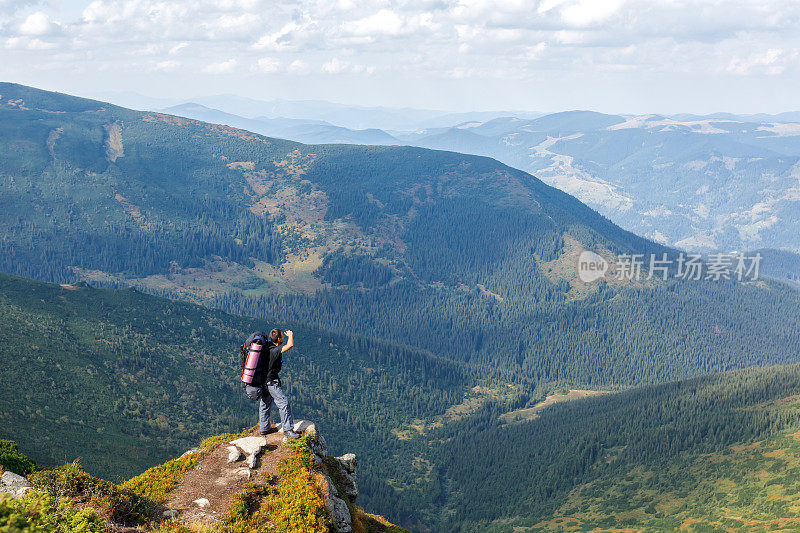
(301, 130)
(701, 183)
(346, 116)
(697, 183)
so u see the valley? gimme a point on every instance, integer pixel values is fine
(438, 308)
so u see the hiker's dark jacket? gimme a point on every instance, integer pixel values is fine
(270, 362)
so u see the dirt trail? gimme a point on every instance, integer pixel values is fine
(218, 481)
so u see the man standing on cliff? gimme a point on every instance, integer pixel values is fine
(262, 358)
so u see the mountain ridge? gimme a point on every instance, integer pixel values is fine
(230, 482)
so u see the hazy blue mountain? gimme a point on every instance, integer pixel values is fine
(698, 183)
(348, 116)
(788, 116)
(301, 130)
(343, 115)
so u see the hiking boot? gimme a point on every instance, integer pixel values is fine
(272, 429)
(291, 435)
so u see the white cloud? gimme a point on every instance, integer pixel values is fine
(221, 67)
(535, 51)
(588, 12)
(37, 24)
(298, 66)
(177, 48)
(231, 25)
(358, 69)
(147, 50)
(283, 39)
(384, 22)
(268, 64)
(167, 66)
(334, 66)
(11, 6)
(770, 62)
(27, 43)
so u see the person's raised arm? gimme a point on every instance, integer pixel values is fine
(289, 341)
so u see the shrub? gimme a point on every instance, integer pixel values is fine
(245, 514)
(71, 483)
(157, 482)
(298, 506)
(39, 511)
(11, 459)
(371, 523)
(210, 443)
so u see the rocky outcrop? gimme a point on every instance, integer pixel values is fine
(205, 493)
(13, 484)
(245, 481)
(338, 512)
(348, 479)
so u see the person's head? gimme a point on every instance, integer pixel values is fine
(276, 336)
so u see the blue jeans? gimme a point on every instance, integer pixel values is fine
(265, 395)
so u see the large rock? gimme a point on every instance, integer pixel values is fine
(14, 484)
(190, 452)
(251, 446)
(316, 441)
(202, 502)
(234, 454)
(338, 512)
(348, 479)
(306, 428)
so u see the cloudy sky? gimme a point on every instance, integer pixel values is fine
(542, 55)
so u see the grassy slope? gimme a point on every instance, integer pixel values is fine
(745, 487)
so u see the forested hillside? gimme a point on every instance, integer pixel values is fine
(720, 452)
(124, 381)
(144, 376)
(453, 253)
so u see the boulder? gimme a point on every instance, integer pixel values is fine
(348, 480)
(14, 484)
(251, 446)
(319, 447)
(190, 452)
(202, 502)
(316, 441)
(306, 428)
(338, 512)
(234, 454)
